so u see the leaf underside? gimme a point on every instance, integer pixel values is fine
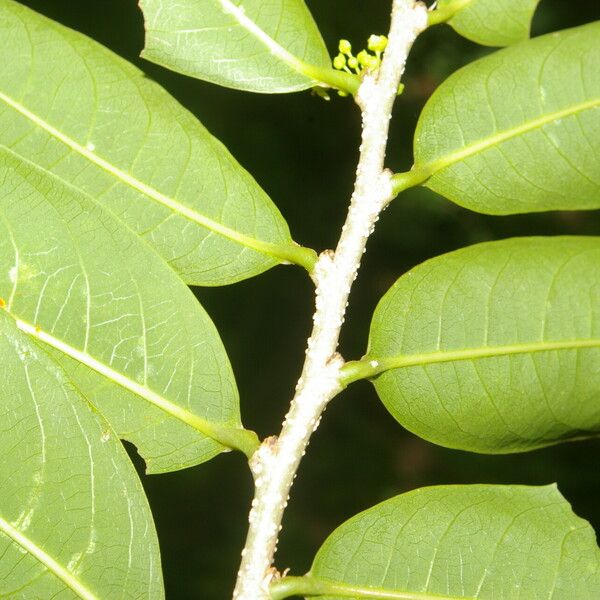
(470, 542)
(254, 45)
(519, 130)
(74, 521)
(127, 330)
(96, 122)
(493, 22)
(496, 347)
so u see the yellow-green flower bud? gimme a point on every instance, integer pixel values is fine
(377, 43)
(367, 61)
(339, 62)
(352, 62)
(345, 47)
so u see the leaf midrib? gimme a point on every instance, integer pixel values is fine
(258, 33)
(45, 559)
(433, 167)
(285, 252)
(231, 437)
(428, 358)
(313, 586)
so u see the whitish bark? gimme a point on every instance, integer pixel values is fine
(275, 464)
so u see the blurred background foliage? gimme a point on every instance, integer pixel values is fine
(303, 151)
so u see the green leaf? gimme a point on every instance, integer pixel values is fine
(95, 121)
(518, 131)
(74, 521)
(488, 22)
(496, 347)
(127, 330)
(460, 542)
(266, 46)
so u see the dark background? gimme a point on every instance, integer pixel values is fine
(303, 151)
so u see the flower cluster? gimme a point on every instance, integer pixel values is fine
(363, 61)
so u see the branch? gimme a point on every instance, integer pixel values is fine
(275, 463)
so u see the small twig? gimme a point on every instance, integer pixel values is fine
(275, 463)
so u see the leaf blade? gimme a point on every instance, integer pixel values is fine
(123, 325)
(59, 458)
(491, 22)
(459, 542)
(505, 135)
(171, 181)
(260, 46)
(482, 344)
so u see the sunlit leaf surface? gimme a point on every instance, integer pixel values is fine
(96, 122)
(125, 327)
(519, 130)
(496, 347)
(255, 45)
(480, 542)
(74, 521)
(492, 22)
